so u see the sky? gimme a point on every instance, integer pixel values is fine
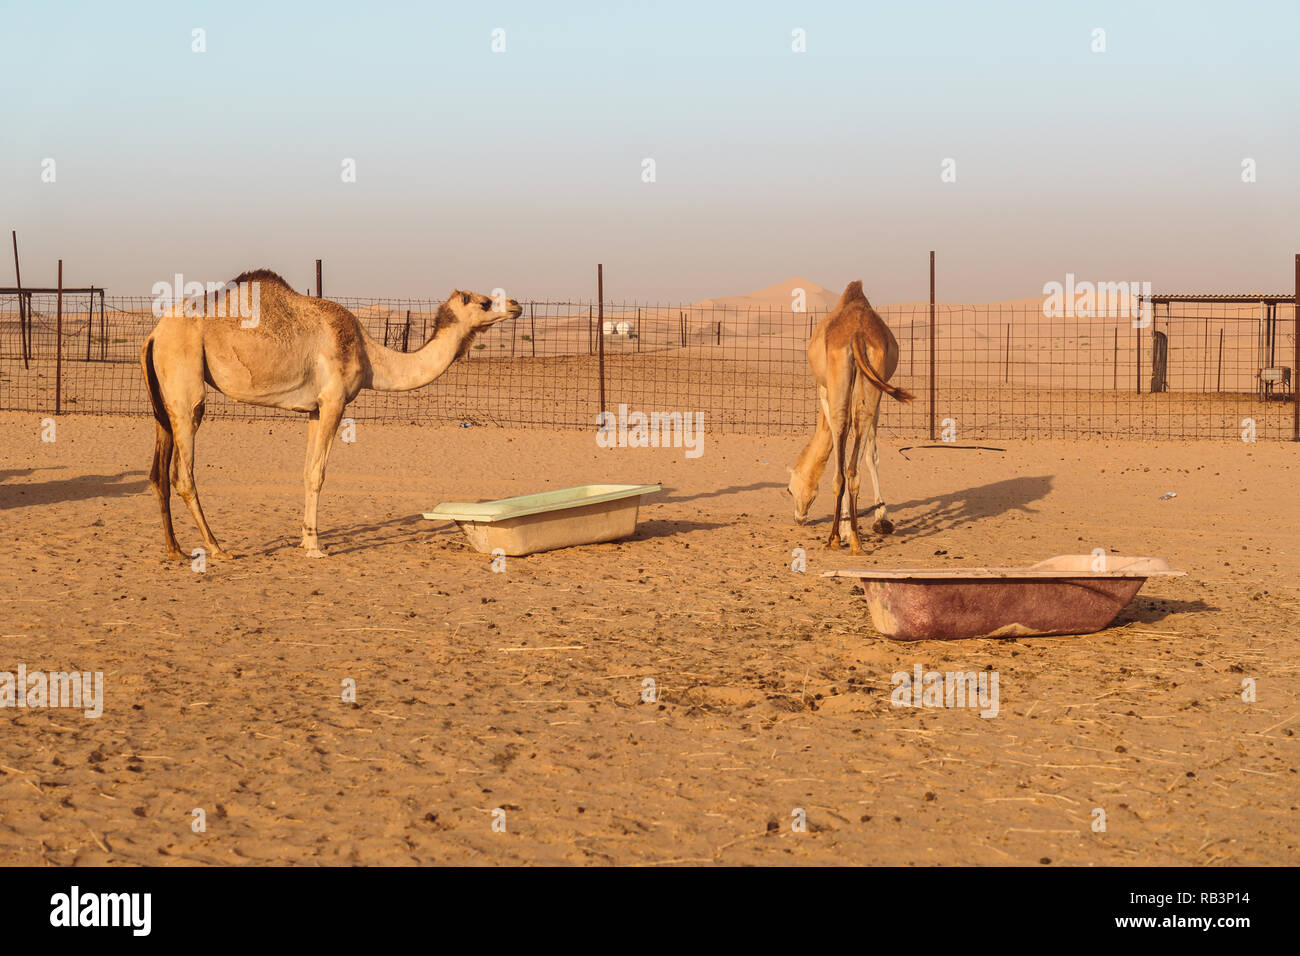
(521, 168)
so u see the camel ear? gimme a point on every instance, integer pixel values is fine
(465, 298)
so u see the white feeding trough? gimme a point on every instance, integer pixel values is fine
(587, 514)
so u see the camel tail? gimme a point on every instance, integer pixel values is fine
(864, 366)
(155, 390)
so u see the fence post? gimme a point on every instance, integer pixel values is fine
(1006, 368)
(58, 348)
(600, 305)
(1205, 359)
(1137, 343)
(318, 291)
(932, 431)
(1218, 382)
(1295, 364)
(22, 310)
(532, 328)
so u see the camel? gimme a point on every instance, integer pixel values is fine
(294, 352)
(852, 354)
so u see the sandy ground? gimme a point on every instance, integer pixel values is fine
(521, 691)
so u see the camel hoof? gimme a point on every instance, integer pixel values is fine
(224, 555)
(315, 553)
(834, 544)
(883, 526)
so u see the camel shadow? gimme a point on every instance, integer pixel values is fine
(667, 528)
(60, 490)
(670, 494)
(411, 529)
(940, 513)
(363, 537)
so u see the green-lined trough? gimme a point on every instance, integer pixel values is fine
(586, 514)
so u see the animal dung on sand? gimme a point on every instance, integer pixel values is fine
(586, 514)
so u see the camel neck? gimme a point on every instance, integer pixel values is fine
(392, 371)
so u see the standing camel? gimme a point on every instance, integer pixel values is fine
(292, 351)
(852, 354)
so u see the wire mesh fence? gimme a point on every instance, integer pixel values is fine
(1000, 371)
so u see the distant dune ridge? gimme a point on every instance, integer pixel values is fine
(818, 298)
(780, 296)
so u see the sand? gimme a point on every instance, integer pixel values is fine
(521, 691)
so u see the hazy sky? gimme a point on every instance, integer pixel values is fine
(523, 169)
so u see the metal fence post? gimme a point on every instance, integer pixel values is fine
(318, 290)
(1114, 364)
(58, 348)
(22, 310)
(932, 431)
(1218, 381)
(600, 318)
(1295, 364)
(1137, 343)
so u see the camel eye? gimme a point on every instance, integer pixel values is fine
(487, 305)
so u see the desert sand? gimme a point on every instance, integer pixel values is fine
(522, 691)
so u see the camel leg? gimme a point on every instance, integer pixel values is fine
(812, 460)
(855, 540)
(882, 524)
(321, 429)
(185, 423)
(837, 419)
(160, 480)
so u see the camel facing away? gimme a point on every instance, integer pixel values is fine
(853, 355)
(294, 352)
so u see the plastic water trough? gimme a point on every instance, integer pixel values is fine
(586, 514)
(1059, 595)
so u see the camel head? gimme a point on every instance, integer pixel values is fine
(803, 493)
(473, 311)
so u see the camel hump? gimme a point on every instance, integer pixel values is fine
(260, 275)
(853, 291)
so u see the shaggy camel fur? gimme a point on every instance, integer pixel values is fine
(289, 351)
(852, 354)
